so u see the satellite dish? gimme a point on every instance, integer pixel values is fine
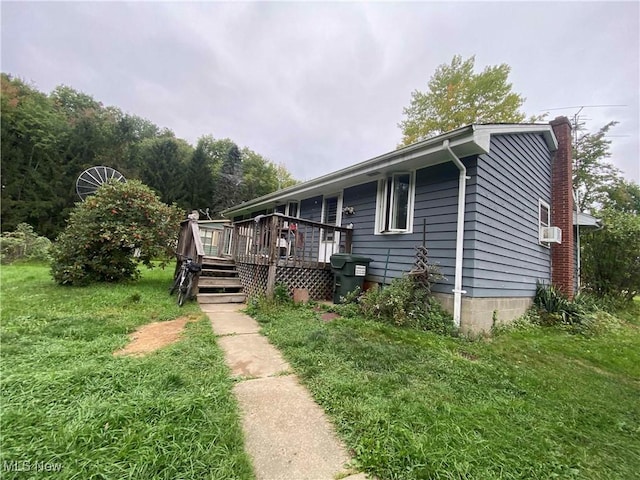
(90, 180)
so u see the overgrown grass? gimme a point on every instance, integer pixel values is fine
(67, 400)
(529, 403)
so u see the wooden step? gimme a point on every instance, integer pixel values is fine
(219, 266)
(213, 273)
(221, 298)
(217, 263)
(209, 259)
(219, 282)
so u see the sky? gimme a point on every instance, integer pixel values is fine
(320, 86)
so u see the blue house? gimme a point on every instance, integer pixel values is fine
(493, 204)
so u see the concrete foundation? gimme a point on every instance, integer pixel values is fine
(480, 314)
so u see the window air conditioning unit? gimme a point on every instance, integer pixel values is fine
(551, 234)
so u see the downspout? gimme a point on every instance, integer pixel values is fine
(462, 188)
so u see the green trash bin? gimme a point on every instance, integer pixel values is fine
(349, 271)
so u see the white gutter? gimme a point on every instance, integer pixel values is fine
(462, 190)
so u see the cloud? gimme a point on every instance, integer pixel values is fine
(317, 86)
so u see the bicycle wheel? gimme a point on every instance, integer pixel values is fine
(176, 283)
(185, 290)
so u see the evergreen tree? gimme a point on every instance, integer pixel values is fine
(199, 184)
(229, 180)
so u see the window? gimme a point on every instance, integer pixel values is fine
(329, 216)
(544, 218)
(293, 209)
(394, 212)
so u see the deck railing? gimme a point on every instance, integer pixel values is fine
(189, 242)
(277, 239)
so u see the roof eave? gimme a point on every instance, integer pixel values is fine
(464, 141)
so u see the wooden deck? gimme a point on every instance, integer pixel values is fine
(269, 250)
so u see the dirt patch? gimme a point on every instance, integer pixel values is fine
(327, 317)
(149, 338)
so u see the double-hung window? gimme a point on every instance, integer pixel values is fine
(329, 216)
(293, 209)
(544, 218)
(394, 211)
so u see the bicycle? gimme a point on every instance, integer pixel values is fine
(184, 279)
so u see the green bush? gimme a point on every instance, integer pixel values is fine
(555, 308)
(611, 256)
(586, 314)
(23, 244)
(112, 232)
(260, 304)
(406, 303)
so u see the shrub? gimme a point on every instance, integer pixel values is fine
(611, 256)
(554, 307)
(23, 244)
(112, 232)
(281, 294)
(261, 305)
(586, 314)
(406, 303)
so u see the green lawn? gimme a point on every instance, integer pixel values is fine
(67, 401)
(536, 403)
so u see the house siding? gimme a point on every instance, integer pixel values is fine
(311, 209)
(435, 207)
(506, 257)
(502, 256)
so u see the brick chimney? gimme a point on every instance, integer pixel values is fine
(562, 208)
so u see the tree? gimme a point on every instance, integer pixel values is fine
(33, 140)
(457, 96)
(611, 256)
(284, 177)
(23, 244)
(163, 165)
(592, 174)
(259, 176)
(623, 196)
(48, 140)
(229, 180)
(199, 184)
(109, 234)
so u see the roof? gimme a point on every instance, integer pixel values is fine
(464, 141)
(585, 220)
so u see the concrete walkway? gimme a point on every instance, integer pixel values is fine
(286, 433)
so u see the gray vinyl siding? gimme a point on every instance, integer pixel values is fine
(502, 256)
(436, 200)
(311, 209)
(506, 256)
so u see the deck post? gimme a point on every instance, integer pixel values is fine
(274, 235)
(348, 241)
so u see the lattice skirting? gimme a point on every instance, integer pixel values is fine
(253, 278)
(318, 282)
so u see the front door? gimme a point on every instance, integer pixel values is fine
(331, 215)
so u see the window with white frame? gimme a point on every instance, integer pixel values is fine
(293, 209)
(394, 210)
(544, 217)
(329, 216)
